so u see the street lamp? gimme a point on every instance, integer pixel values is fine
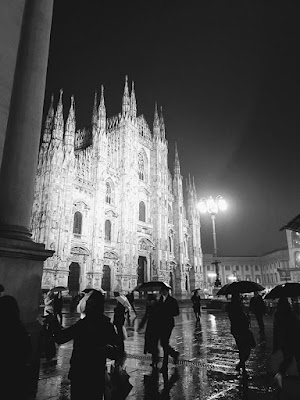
(212, 206)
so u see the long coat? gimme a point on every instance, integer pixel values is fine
(151, 332)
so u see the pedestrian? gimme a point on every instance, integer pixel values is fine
(167, 309)
(94, 340)
(1, 290)
(48, 302)
(257, 306)
(240, 329)
(196, 300)
(119, 319)
(57, 306)
(286, 333)
(15, 351)
(151, 332)
(130, 298)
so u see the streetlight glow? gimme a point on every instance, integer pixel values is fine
(212, 206)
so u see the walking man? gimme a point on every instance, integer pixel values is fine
(167, 309)
(257, 306)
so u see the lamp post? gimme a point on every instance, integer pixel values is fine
(212, 206)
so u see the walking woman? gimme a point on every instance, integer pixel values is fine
(94, 340)
(151, 333)
(196, 300)
(240, 329)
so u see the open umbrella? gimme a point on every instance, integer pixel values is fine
(58, 289)
(151, 286)
(240, 287)
(289, 289)
(87, 290)
(123, 300)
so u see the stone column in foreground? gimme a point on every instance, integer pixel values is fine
(21, 260)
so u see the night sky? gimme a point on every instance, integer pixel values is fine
(226, 74)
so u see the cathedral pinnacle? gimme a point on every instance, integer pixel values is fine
(49, 122)
(102, 111)
(162, 125)
(126, 98)
(133, 108)
(94, 115)
(156, 125)
(70, 127)
(59, 119)
(176, 163)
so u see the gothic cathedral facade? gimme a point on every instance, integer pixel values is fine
(107, 204)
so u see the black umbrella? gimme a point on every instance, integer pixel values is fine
(58, 289)
(151, 286)
(240, 287)
(289, 289)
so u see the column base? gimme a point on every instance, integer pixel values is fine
(15, 232)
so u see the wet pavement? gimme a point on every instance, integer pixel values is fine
(206, 368)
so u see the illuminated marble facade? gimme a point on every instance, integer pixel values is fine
(106, 202)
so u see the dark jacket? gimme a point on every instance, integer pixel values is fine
(166, 311)
(239, 320)
(91, 336)
(286, 331)
(257, 305)
(196, 300)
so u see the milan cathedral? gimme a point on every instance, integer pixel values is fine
(107, 204)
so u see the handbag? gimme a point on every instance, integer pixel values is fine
(117, 385)
(274, 361)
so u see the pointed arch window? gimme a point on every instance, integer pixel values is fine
(108, 194)
(142, 211)
(170, 245)
(141, 167)
(107, 230)
(77, 225)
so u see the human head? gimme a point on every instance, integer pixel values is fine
(95, 303)
(283, 306)
(236, 298)
(164, 291)
(9, 309)
(151, 298)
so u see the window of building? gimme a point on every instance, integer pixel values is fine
(141, 167)
(77, 226)
(237, 268)
(248, 278)
(256, 267)
(170, 216)
(227, 267)
(247, 268)
(170, 245)
(142, 211)
(108, 194)
(107, 230)
(257, 279)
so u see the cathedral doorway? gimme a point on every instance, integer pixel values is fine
(73, 279)
(106, 279)
(142, 270)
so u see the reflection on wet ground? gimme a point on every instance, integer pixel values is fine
(205, 371)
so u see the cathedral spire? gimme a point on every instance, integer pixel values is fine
(49, 122)
(156, 125)
(176, 163)
(58, 129)
(94, 115)
(162, 125)
(126, 98)
(70, 127)
(133, 108)
(102, 111)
